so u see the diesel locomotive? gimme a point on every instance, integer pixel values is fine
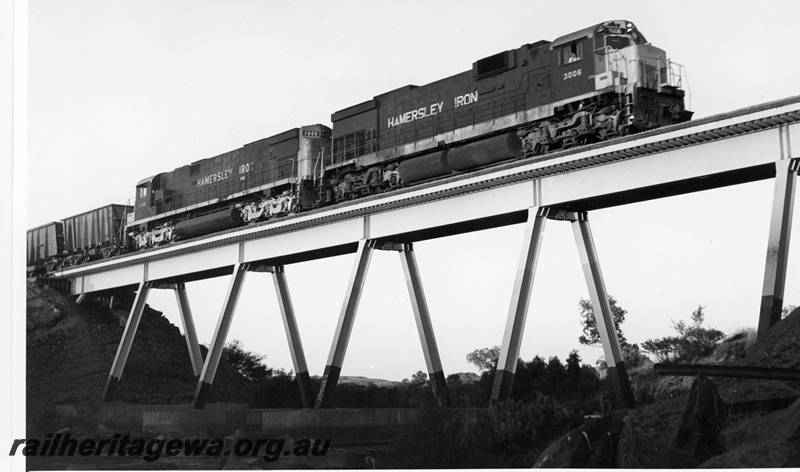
(587, 86)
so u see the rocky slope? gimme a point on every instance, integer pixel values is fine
(70, 349)
(699, 421)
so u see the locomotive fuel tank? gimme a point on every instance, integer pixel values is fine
(485, 152)
(459, 159)
(209, 223)
(424, 167)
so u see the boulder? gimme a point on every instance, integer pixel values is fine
(635, 452)
(43, 317)
(591, 445)
(775, 437)
(121, 316)
(704, 417)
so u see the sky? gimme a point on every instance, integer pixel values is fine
(121, 90)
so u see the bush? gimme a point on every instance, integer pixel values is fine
(515, 427)
(249, 364)
(693, 341)
(508, 434)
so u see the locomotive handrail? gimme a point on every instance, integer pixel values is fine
(717, 127)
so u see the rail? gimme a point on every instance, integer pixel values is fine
(729, 371)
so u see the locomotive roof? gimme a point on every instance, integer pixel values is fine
(584, 33)
(148, 179)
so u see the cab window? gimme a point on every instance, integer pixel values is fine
(571, 53)
(142, 192)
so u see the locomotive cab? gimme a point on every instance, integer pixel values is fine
(144, 198)
(640, 72)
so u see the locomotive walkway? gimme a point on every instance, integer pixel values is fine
(733, 148)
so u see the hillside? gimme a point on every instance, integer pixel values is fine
(70, 349)
(686, 422)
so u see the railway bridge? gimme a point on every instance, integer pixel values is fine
(751, 144)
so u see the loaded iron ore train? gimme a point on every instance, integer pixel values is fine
(587, 86)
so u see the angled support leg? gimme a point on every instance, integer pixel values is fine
(780, 229)
(127, 341)
(617, 371)
(424, 326)
(518, 311)
(188, 328)
(330, 377)
(293, 336)
(221, 332)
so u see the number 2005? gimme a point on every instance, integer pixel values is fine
(571, 74)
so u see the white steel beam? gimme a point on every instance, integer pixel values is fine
(293, 336)
(617, 371)
(125, 344)
(422, 318)
(518, 311)
(109, 279)
(190, 334)
(314, 238)
(220, 334)
(341, 337)
(691, 162)
(193, 262)
(780, 230)
(472, 206)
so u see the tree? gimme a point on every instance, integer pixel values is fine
(693, 340)
(573, 364)
(787, 310)
(591, 337)
(249, 364)
(662, 348)
(484, 359)
(420, 377)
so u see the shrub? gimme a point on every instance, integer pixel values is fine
(693, 341)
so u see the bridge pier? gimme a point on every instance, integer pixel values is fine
(224, 323)
(780, 228)
(220, 334)
(132, 325)
(333, 368)
(518, 312)
(617, 371)
(515, 323)
(190, 334)
(423, 319)
(293, 336)
(125, 344)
